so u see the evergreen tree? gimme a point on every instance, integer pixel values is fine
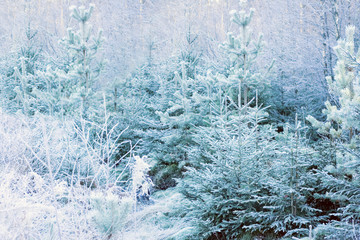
(183, 114)
(341, 176)
(78, 90)
(342, 115)
(20, 79)
(288, 207)
(243, 50)
(220, 185)
(246, 179)
(222, 189)
(50, 91)
(132, 103)
(159, 106)
(258, 182)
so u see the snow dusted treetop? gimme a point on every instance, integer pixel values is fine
(243, 50)
(241, 45)
(81, 14)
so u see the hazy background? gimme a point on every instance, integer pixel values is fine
(299, 34)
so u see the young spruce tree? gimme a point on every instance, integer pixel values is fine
(222, 185)
(245, 178)
(20, 80)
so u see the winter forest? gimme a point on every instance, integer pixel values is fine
(180, 119)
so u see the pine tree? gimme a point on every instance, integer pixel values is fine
(342, 121)
(132, 103)
(243, 50)
(223, 187)
(341, 176)
(82, 71)
(49, 91)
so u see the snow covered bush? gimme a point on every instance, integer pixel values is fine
(110, 213)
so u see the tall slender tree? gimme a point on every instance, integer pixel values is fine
(341, 178)
(82, 70)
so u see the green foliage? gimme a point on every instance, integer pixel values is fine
(82, 46)
(31, 84)
(183, 113)
(20, 80)
(209, 136)
(110, 214)
(341, 118)
(257, 182)
(160, 105)
(222, 188)
(245, 179)
(243, 51)
(290, 183)
(340, 177)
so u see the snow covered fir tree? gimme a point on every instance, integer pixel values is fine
(180, 120)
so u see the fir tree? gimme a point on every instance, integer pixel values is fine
(160, 105)
(290, 184)
(244, 177)
(21, 80)
(183, 113)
